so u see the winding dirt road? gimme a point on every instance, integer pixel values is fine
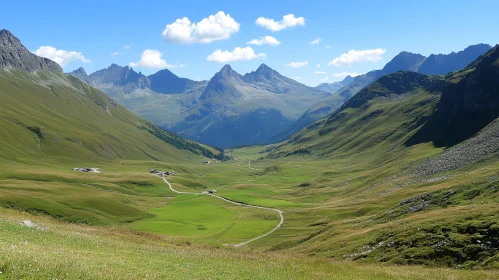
(239, 204)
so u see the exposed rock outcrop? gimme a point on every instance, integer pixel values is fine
(13, 55)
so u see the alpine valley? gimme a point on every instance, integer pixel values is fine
(125, 174)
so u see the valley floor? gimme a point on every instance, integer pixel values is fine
(66, 251)
(344, 219)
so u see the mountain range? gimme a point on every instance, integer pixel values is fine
(259, 107)
(227, 111)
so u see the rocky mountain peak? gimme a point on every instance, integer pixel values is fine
(7, 35)
(404, 61)
(263, 67)
(227, 72)
(80, 71)
(81, 74)
(13, 55)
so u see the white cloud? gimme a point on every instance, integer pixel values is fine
(354, 56)
(126, 47)
(342, 75)
(151, 59)
(62, 57)
(325, 79)
(296, 64)
(327, 47)
(267, 40)
(213, 28)
(287, 21)
(319, 72)
(237, 54)
(318, 65)
(182, 65)
(298, 78)
(115, 53)
(315, 42)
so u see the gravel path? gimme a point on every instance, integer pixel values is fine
(239, 204)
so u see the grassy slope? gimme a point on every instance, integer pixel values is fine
(67, 251)
(52, 116)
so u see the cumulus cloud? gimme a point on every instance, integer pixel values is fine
(296, 64)
(342, 75)
(213, 28)
(62, 57)
(315, 42)
(267, 40)
(115, 53)
(151, 59)
(354, 56)
(237, 54)
(286, 22)
(325, 79)
(319, 72)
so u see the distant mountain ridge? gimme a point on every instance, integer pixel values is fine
(127, 80)
(333, 87)
(441, 64)
(404, 61)
(235, 110)
(207, 111)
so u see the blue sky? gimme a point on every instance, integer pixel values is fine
(379, 30)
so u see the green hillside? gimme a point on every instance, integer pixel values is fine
(54, 116)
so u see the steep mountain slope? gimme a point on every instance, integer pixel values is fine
(405, 61)
(443, 110)
(413, 203)
(468, 103)
(236, 110)
(51, 115)
(333, 87)
(377, 119)
(442, 64)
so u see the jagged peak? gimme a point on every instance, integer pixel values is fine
(263, 66)
(226, 68)
(406, 61)
(227, 71)
(114, 65)
(80, 70)
(7, 36)
(6, 33)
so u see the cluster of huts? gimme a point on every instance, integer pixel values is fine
(161, 173)
(86, 169)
